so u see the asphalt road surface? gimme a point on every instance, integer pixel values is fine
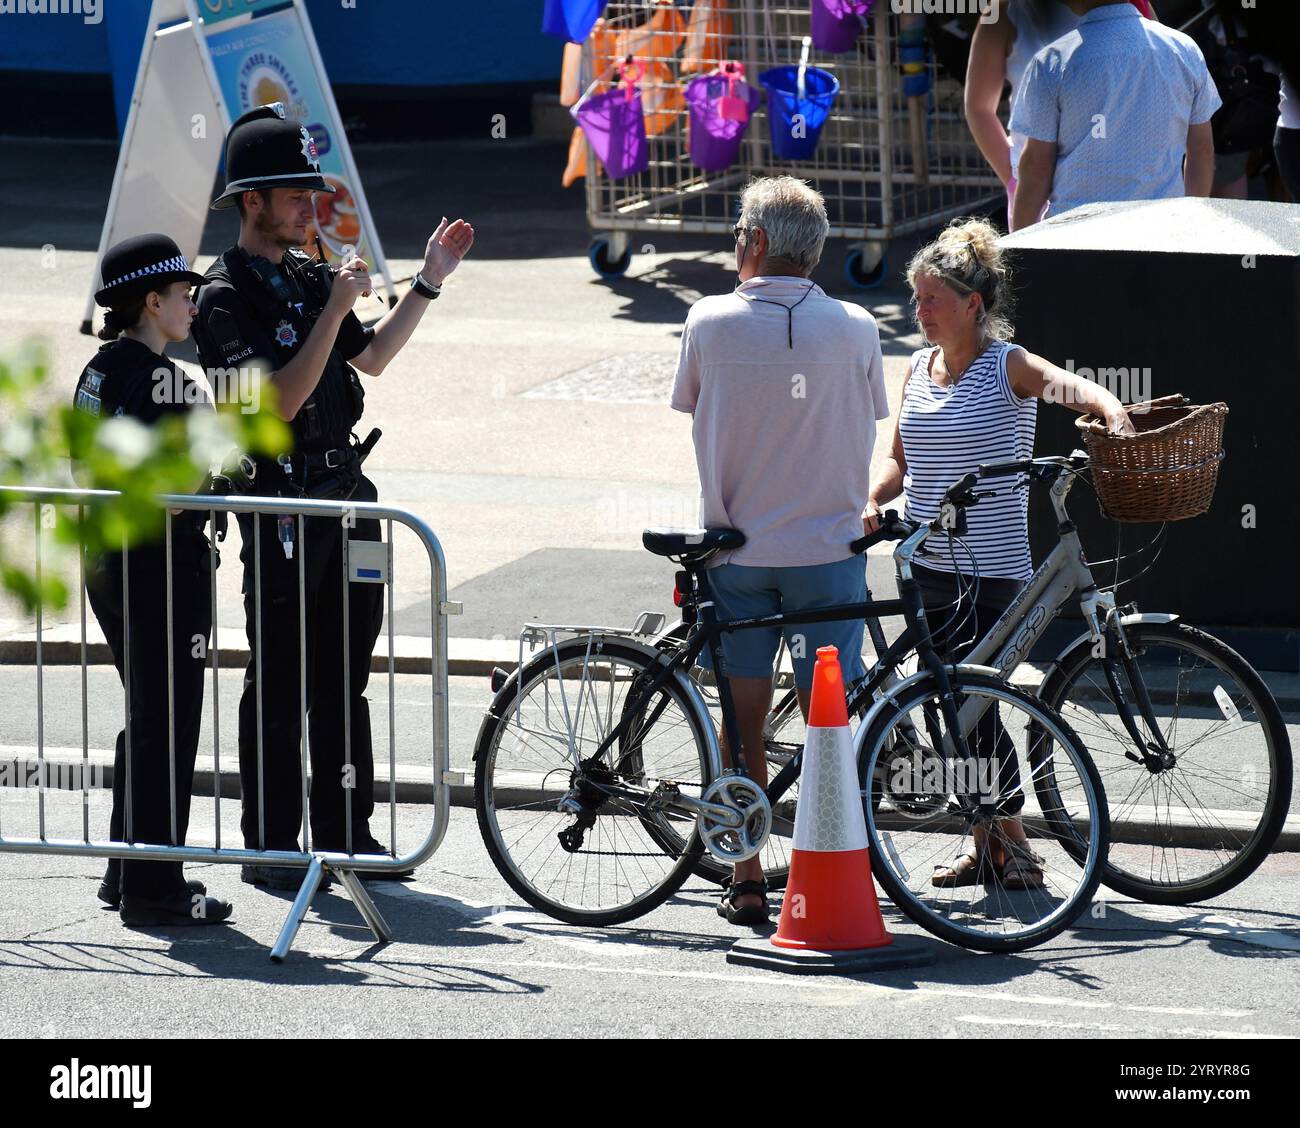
(469, 960)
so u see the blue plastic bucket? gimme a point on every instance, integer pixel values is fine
(796, 123)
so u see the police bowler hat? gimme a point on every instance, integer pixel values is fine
(135, 266)
(265, 150)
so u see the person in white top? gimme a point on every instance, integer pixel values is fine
(1120, 108)
(785, 385)
(971, 398)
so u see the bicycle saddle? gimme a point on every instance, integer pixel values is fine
(691, 544)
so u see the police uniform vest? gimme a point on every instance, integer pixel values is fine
(127, 378)
(283, 304)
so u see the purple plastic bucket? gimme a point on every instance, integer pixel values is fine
(836, 23)
(615, 129)
(715, 140)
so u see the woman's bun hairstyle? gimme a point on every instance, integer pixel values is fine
(120, 317)
(967, 256)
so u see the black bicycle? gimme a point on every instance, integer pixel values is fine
(1189, 741)
(600, 784)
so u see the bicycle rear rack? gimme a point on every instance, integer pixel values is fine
(538, 637)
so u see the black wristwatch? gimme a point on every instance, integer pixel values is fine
(425, 289)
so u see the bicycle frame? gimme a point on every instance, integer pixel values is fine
(1063, 574)
(708, 631)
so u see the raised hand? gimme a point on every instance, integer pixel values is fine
(447, 246)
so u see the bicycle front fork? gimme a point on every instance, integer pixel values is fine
(1116, 655)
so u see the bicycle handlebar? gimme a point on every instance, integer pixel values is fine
(892, 527)
(961, 493)
(1040, 469)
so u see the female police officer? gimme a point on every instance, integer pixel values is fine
(146, 288)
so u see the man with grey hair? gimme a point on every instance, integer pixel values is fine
(785, 385)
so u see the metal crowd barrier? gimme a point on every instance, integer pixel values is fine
(314, 862)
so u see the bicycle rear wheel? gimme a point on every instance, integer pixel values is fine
(918, 819)
(590, 843)
(1200, 826)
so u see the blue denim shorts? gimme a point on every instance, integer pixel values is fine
(741, 592)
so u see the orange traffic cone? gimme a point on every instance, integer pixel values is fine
(830, 918)
(830, 900)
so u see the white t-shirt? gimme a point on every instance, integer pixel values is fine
(783, 435)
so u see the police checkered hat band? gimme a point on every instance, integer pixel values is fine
(176, 265)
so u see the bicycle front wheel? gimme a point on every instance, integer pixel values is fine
(590, 841)
(925, 808)
(1198, 824)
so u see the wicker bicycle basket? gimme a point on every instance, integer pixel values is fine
(1168, 470)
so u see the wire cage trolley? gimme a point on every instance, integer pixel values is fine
(888, 161)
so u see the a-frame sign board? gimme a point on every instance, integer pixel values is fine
(204, 63)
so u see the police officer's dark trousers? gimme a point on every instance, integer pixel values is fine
(272, 813)
(137, 636)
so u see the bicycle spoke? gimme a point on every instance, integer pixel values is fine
(1034, 773)
(583, 837)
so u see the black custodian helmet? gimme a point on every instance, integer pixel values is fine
(265, 150)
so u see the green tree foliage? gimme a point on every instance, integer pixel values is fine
(137, 463)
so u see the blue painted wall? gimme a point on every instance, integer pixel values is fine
(377, 43)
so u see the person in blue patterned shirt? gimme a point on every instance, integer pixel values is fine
(1117, 109)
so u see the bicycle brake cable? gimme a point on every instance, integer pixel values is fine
(1157, 540)
(971, 589)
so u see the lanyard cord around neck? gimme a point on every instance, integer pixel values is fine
(789, 311)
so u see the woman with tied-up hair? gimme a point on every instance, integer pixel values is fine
(146, 293)
(971, 397)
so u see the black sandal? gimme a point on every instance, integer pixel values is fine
(750, 914)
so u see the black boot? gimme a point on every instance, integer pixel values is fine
(110, 889)
(180, 910)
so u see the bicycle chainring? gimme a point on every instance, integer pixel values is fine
(752, 811)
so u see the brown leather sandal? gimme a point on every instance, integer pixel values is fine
(969, 868)
(1021, 868)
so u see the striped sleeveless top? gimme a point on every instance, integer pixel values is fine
(948, 432)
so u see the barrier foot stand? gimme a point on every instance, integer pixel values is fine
(301, 903)
(365, 906)
(903, 952)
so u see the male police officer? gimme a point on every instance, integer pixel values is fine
(266, 302)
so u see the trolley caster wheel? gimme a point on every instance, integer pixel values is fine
(602, 264)
(863, 270)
